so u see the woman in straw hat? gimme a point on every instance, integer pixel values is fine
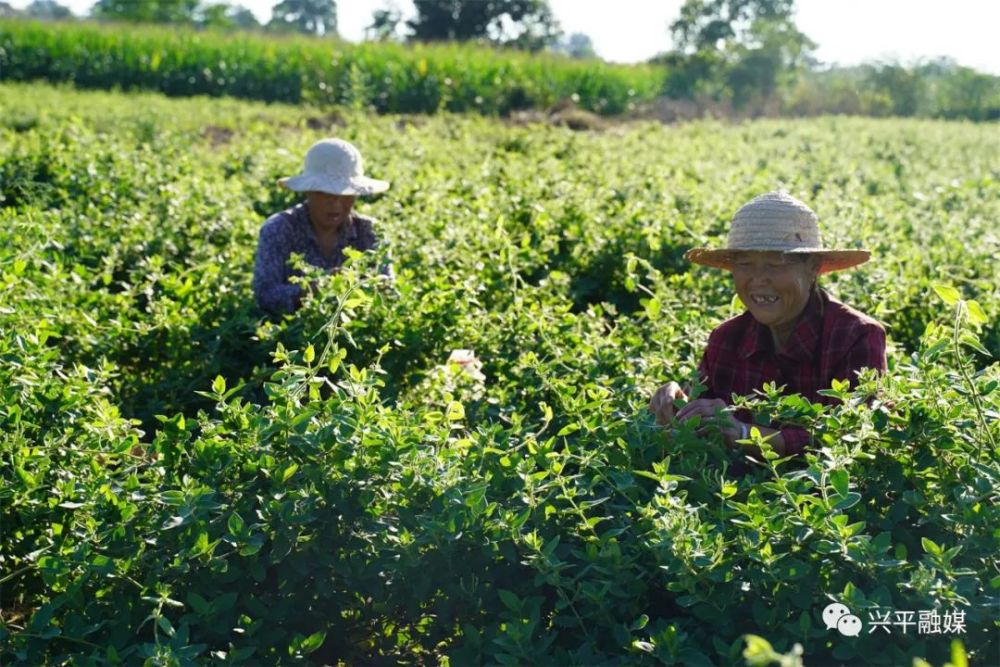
(320, 228)
(793, 333)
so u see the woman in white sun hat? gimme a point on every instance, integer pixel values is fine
(793, 333)
(320, 228)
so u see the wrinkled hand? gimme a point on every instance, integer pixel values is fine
(662, 402)
(707, 409)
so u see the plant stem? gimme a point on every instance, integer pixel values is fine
(969, 383)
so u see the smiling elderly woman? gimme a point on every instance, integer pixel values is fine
(793, 333)
(320, 228)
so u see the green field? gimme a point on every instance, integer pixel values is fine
(186, 482)
(389, 78)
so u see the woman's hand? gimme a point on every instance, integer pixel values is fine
(662, 402)
(707, 408)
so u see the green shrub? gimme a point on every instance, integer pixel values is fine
(187, 482)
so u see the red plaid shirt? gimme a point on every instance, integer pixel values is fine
(831, 341)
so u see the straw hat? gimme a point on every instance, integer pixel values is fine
(776, 221)
(334, 166)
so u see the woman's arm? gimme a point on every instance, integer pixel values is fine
(662, 401)
(270, 276)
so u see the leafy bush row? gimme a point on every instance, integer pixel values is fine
(186, 482)
(386, 77)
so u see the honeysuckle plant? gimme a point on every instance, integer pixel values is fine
(187, 481)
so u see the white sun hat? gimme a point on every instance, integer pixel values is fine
(334, 166)
(776, 221)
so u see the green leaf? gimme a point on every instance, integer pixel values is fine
(198, 603)
(250, 549)
(851, 499)
(172, 498)
(758, 651)
(568, 429)
(201, 543)
(976, 314)
(970, 339)
(511, 601)
(652, 307)
(219, 385)
(958, 657)
(882, 541)
(456, 412)
(309, 354)
(26, 478)
(165, 625)
(948, 294)
(313, 641)
(287, 473)
(840, 481)
(235, 524)
(929, 546)
(336, 358)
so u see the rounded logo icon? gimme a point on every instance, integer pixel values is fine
(849, 625)
(833, 613)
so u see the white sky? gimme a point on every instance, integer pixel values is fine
(847, 31)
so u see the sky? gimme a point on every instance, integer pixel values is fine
(847, 31)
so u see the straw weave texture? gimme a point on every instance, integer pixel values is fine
(776, 221)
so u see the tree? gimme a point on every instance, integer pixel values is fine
(152, 11)
(906, 88)
(770, 58)
(47, 9)
(525, 24)
(716, 24)
(577, 45)
(753, 46)
(243, 18)
(314, 17)
(384, 24)
(224, 15)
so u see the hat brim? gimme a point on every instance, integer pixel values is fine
(830, 260)
(358, 185)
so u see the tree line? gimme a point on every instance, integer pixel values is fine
(308, 16)
(519, 24)
(739, 57)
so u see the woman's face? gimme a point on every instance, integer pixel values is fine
(774, 287)
(329, 211)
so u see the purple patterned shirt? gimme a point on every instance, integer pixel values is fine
(289, 232)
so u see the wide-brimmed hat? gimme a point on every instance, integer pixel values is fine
(776, 221)
(334, 166)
